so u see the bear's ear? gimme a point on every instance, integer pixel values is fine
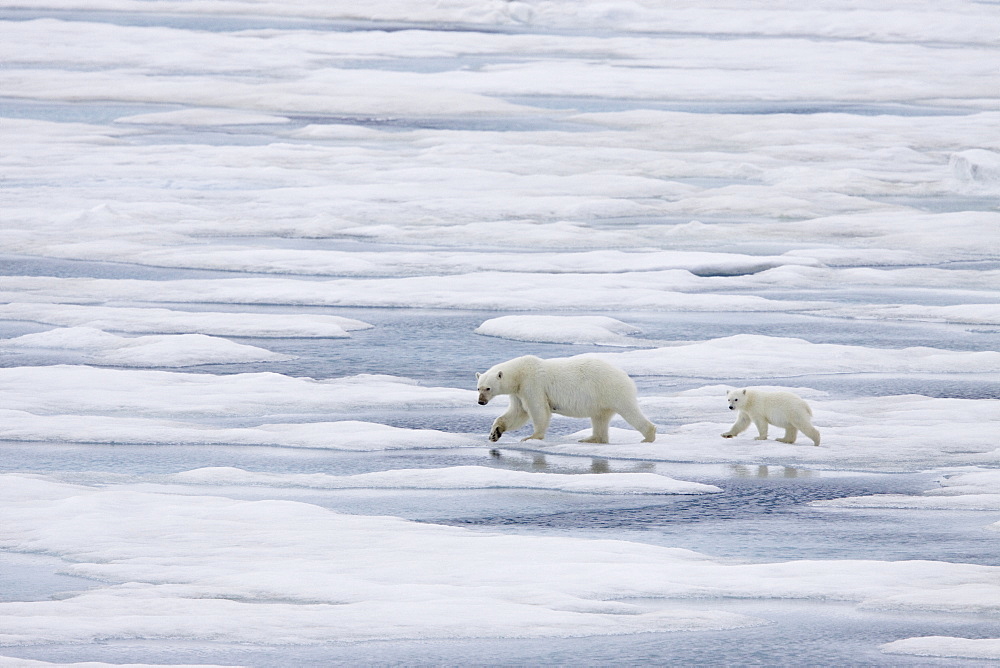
(744, 390)
(499, 374)
(478, 375)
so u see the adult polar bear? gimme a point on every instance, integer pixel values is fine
(761, 407)
(573, 386)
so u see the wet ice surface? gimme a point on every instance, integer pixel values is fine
(243, 274)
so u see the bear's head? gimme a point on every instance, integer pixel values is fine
(489, 385)
(736, 398)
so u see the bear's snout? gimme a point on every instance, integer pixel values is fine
(483, 402)
(732, 408)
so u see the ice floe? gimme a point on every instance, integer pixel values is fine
(208, 567)
(751, 355)
(344, 435)
(859, 434)
(69, 390)
(94, 346)
(600, 330)
(977, 490)
(484, 290)
(944, 646)
(166, 321)
(456, 477)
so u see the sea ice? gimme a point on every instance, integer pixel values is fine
(208, 567)
(345, 435)
(977, 490)
(858, 433)
(94, 346)
(751, 355)
(456, 477)
(69, 390)
(545, 160)
(599, 330)
(166, 321)
(964, 648)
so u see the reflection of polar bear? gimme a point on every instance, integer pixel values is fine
(575, 387)
(782, 409)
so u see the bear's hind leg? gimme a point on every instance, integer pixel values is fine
(635, 418)
(600, 424)
(811, 432)
(791, 433)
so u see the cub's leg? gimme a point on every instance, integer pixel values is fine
(635, 418)
(742, 422)
(790, 435)
(600, 424)
(515, 418)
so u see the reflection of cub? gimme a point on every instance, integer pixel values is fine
(782, 409)
(575, 387)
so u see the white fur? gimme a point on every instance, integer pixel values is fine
(574, 387)
(782, 409)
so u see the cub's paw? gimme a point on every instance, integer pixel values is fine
(495, 434)
(728, 435)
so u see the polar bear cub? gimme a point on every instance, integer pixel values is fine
(573, 386)
(761, 407)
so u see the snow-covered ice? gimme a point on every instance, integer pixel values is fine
(978, 490)
(224, 575)
(95, 346)
(165, 321)
(457, 477)
(966, 648)
(598, 330)
(251, 255)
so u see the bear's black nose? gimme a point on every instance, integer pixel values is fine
(482, 402)
(732, 408)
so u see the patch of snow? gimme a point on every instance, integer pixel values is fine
(599, 330)
(456, 477)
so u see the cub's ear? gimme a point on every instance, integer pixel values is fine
(478, 375)
(744, 390)
(499, 374)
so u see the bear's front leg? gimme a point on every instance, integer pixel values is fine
(540, 413)
(742, 422)
(497, 430)
(515, 418)
(761, 429)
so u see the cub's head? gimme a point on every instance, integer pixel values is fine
(489, 385)
(736, 398)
